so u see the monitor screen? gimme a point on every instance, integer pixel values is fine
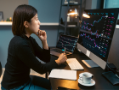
(69, 42)
(97, 31)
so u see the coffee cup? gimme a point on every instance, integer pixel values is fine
(85, 77)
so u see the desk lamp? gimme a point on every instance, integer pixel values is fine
(72, 12)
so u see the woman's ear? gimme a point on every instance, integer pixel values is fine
(26, 24)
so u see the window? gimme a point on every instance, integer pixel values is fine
(111, 3)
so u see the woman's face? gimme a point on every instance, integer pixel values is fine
(34, 25)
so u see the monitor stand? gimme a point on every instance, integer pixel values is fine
(90, 63)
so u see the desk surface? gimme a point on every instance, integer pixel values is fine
(101, 82)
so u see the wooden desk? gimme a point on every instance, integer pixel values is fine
(101, 82)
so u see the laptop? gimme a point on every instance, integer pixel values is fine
(65, 42)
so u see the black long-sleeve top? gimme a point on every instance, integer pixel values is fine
(22, 54)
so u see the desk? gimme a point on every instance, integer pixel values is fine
(101, 82)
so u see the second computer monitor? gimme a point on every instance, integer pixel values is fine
(69, 42)
(96, 34)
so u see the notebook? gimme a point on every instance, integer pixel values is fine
(65, 42)
(63, 74)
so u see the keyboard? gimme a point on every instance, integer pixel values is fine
(55, 53)
(74, 64)
(56, 50)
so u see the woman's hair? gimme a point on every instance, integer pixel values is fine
(22, 13)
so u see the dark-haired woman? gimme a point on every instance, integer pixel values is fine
(23, 50)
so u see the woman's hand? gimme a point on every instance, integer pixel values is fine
(62, 58)
(42, 35)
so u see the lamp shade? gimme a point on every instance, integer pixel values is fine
(72, 12)
(86, 15)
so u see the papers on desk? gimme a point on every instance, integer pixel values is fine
(63, 74)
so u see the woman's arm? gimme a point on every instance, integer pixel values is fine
(43, 54)
(43, 37)
(26, 55)
(45, 45)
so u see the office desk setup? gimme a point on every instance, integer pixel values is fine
(98, 41)
(101, 83)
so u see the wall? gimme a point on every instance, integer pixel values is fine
(8, 6)
(92, 4)
(48, 10)
(5, 37)
(88, 4)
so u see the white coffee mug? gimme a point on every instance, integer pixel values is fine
(86, 77)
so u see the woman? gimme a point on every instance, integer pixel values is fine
(23, 50)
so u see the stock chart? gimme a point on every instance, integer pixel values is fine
(97, 31)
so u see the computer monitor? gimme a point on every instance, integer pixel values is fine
(67, 41)
(113, 56)
(96, 34)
